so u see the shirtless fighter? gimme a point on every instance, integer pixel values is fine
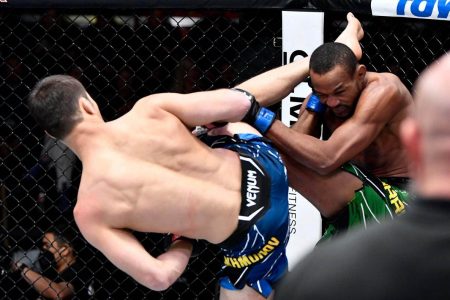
(358, 172)
(146, 171)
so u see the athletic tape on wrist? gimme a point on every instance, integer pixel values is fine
(315, 105)
(264, 120)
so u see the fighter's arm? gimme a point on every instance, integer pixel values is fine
(126, 253)
(272, 86)
(376, 108)
(199, 108)
(308, 122)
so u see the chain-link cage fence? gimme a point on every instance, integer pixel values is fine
(121, 57)
(398, 45)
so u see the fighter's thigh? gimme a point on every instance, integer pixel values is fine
(328, 193)
(247, 293)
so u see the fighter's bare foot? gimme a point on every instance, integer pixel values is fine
(352, 34)
(356, 25)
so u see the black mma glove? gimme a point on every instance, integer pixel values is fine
(259, 117)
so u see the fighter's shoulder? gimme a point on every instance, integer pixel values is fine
(87, 212)
(384, 79)
(388, 76)
(152, 104)
(384, 86)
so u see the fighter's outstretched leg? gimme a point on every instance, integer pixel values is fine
(351, 35)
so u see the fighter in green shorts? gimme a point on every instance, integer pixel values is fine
(379, 198)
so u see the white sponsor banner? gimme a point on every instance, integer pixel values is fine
(302, 33)
(424, 9)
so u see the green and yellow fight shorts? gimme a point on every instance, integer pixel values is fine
(378, 199)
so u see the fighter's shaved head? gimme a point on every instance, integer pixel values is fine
(432, 96)
(426, 134)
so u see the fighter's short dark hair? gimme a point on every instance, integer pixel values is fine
(329, 55)
(53, 102)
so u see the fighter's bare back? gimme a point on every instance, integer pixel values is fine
(146, 172)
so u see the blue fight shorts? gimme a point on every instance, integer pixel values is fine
(255, 254)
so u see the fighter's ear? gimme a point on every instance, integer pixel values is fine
(86, 105)
(360, 71)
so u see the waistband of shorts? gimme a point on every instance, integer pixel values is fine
(400, 182)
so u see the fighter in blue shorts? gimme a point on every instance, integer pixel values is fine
(255, 254)
(146, 172)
